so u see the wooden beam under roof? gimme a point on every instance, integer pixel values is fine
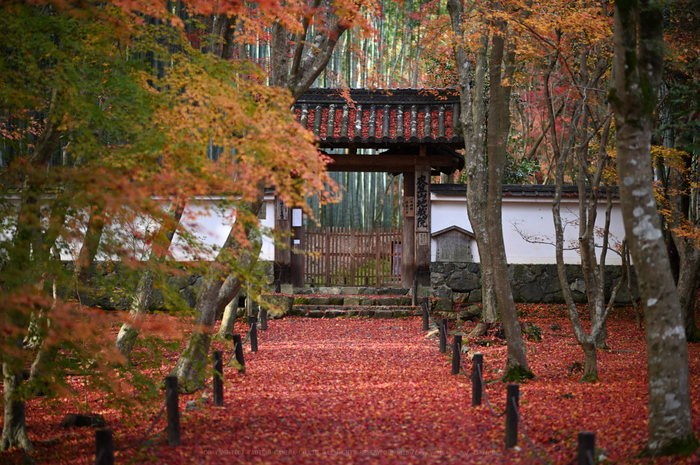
(399, 160)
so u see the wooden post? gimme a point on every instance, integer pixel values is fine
(253, 333)
(352, 256)
(456, 353)
(477, 370)
(443, 335)
(104, 447)
(426, 314)
(328, 255)
(263, 318)
(408, 241)
(283, 254)
(238, 345)
(218, 381)
(512, 415)
(422, 225)
(414, 293)
(378, 257)
(297, 253)
(172, 407)
(586, 448)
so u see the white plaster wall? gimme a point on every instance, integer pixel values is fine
(202, 217)
(533, 217)
(212, 225)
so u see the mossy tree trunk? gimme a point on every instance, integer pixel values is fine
(220, 287)
(485, 169)
(14, 432)
(501, 69)
(472, 81)
(229, 319)
(30, 249)
(129, 332)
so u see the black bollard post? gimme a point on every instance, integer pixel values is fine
(104, 447)
(238, 344)
(586, 448)
(477, 385)
(263, 319)
(456, 353)
(443, 335)
(253, 333)
(425, 306)
(218, 381)
(512, 415)
(172, 407)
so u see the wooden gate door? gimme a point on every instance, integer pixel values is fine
(352, 257)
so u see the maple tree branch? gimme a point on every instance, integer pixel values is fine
(533, 151)
(47, 142)
(301, 37)
(316, 58)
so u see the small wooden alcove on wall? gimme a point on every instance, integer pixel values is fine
(414, 132)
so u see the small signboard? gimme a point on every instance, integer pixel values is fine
(423, 238)
(296, 217)
(282, 211)
(423, 200)
(409, 207)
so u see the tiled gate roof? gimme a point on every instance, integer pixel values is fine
(381, 118)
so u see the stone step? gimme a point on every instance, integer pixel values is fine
(345, 290)
(374, 311)
(353, 300)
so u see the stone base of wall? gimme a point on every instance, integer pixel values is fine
(114, 290)
(531, 283)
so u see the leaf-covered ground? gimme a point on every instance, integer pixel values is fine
(377, 391)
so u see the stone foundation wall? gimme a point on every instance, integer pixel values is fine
(114, 290)
(531, 283)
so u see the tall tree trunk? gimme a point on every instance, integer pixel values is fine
(472, 120)
(637, 68)
(14, 432)
(129, 332)
(45, 356)
(91, 243)
(217, 291)
(501, 68)
(20, 270)
(229, 319)
(688, 284)
(682, 219)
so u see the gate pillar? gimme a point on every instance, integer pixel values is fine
(408, 264)
(283, 254)
(422, 225)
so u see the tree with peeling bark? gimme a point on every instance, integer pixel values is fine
(637, 70)
(485, 168)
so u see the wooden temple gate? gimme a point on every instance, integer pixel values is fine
(413, 132)
(337, 256)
